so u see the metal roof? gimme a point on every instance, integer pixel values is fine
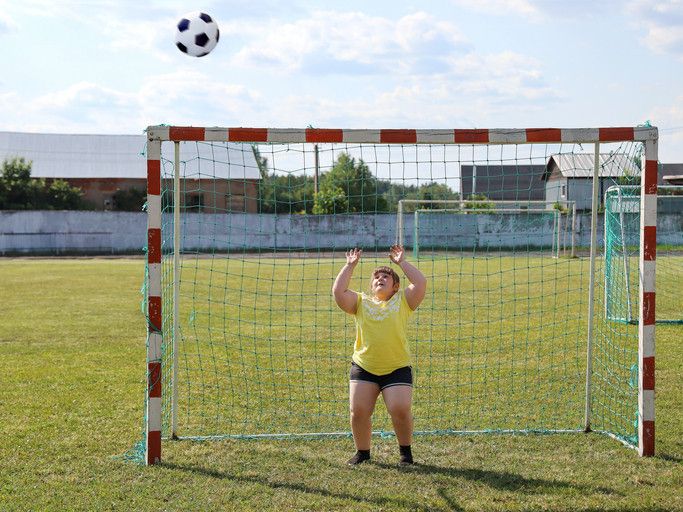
(580, 165)
(56, 155)
(504, 181)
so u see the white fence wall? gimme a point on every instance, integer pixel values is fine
(77, 232)
(58, 232)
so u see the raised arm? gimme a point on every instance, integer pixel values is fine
(415, 292)
(345, 298)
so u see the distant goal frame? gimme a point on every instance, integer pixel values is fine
(648, 136)
(623, 265)
(491, 206)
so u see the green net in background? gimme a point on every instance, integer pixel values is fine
(622, 242)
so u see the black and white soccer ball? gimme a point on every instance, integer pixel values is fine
(197, 34)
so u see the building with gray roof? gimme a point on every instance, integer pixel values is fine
(101, 165)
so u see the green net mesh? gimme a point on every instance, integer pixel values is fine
(499, 343)
(622, 243)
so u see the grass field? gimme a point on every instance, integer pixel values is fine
(72, 358)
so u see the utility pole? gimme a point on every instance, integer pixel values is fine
(317, 168)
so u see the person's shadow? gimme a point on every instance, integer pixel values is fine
(499, 480)
(388, 502)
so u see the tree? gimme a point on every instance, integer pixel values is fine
(282, 193)
(479, 202)
(286, 193)
(436, 191)
(330, 199)
(261, 161)
(394, 192)
(18, 191)
(129, 200)
(632, 170)
(62, 196)
(357, 183)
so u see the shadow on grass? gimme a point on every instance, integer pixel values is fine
(384, 501)
(669, 457)
(500, 480)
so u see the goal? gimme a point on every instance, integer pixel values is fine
(622, 241)
(247, 228)
(541, 226)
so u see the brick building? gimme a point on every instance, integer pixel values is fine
(214, 177)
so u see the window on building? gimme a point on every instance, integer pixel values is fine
(194, 202)
(563, 190)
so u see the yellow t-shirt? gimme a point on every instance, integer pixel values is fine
(381, 341)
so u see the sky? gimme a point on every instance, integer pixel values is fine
(111, 66)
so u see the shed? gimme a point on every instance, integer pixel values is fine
(670, 174)
(568, 177)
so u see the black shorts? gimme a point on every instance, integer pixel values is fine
(400, 377)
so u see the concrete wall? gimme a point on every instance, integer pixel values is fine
(71, 232)
(58, 232)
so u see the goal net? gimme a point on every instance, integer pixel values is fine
(622, 244)
(248, 229)
(539, 226)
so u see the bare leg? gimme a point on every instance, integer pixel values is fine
(362, 398)
(398, 400)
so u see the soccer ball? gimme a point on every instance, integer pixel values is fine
(197, 34)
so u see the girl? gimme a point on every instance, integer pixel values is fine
(381, 356)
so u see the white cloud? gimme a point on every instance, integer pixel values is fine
(544, 11)
(189, 94)
(503, 77)
(523, 8)
(350, 43)
(669, 119)
(145, 27)
(485, 87)
(420, 104)
(182, 97)
(418, 70)
(151, 37)
(7, 23)
(663, 21)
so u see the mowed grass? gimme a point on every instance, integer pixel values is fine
(72, 371)
(497, 345)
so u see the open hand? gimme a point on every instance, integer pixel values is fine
(397, 254)
(353, 256)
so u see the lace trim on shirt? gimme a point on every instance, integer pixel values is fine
(379, 309)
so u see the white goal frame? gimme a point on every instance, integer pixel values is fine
(648, 136)
(559, 243)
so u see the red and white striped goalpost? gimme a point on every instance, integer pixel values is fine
(646, 316)
(648, 220)
(154, 337)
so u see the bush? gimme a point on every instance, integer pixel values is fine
(18, 191)
(129, 200)
(480, 204)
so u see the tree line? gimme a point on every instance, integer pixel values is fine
(347, 187)
(18, 191)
